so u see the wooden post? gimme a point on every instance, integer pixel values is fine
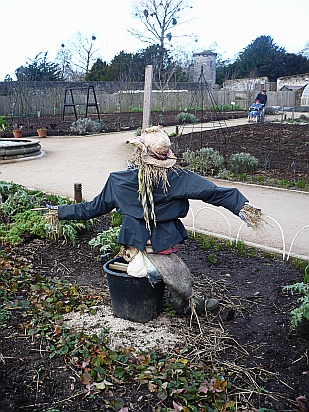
(147, 97)
(78, 197)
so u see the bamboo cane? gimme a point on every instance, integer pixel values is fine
(121, 267)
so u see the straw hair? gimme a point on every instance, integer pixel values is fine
(153, 158)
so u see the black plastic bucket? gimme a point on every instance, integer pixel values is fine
(132, 298)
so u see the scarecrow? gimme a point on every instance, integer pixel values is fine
(153, 195)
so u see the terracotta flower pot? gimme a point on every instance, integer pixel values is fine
(17, 133)
(42, 132)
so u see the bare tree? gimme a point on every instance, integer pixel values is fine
(63, 58)
(305, 50)
(78, 56)
(159, 18)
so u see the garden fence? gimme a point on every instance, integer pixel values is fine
(47, 98)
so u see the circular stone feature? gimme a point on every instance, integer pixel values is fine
(11, 149)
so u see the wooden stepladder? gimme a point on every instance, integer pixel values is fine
(69, 101)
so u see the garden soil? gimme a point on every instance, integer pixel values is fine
(248, 339)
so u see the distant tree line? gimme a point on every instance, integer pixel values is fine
(131, 67)
(261, 58)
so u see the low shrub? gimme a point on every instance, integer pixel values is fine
(138, 131)
(21, 216)
(206, 161)
(185, 117)
(225, 174)
(242, 163)
(86, 126)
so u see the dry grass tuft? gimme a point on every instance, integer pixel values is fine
(51, 219)
(254, 216)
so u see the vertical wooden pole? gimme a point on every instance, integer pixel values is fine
(78, 197)
(147, 97)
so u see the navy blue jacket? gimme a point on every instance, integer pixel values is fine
(121, 193)
(262, 98)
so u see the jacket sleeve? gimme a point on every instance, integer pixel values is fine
(100, 205)
(197, 187)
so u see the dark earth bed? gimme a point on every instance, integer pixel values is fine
(253, 309)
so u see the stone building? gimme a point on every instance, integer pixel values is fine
(298, 83)
(207, 60)
(292, 82)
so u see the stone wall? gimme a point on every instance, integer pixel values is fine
(297, 80)
(240, 85)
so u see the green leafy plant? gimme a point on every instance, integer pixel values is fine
(18, 220)
(52, 410)
(185, 117)
(4, 126)
(302, 311)
(17, 201)
(86, 126)
(116, 219)
(301, 184)
(107, 241)
(304, 118)
(301, 289)
(138, 131)
(205, 161)
(286, 183)
(225, 174)
(242, 177)
(23, 223)
(212, 259)
(242, 163)
(173, 134)
(136, 109)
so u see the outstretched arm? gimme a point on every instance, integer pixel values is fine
(100, 205)
(229, 198)
(195, 186)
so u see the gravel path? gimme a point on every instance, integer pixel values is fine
(90, 159)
